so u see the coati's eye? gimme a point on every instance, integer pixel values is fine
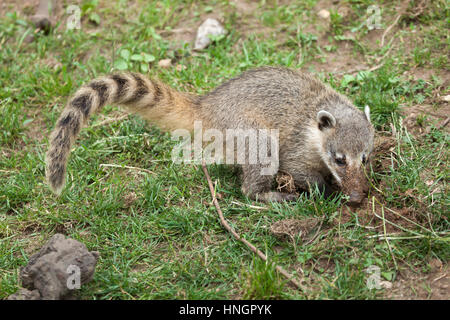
(341, 161)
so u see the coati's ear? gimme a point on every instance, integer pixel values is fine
(325, 119)
(367, 112)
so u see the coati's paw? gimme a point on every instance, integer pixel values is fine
(273, 196)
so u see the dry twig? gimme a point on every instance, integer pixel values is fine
(225, 224)
(125, 167)
(389, 28)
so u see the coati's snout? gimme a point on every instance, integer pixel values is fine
(355, 184)
(347, 144)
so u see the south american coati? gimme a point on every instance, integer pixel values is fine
(321, 133)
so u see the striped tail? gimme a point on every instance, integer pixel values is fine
(151, 99)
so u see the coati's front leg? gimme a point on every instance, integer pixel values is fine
(258, 186)
(309, 181)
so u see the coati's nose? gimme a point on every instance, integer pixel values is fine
(355, 198)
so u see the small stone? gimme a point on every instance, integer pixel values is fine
(25, 294)
(210, 27)
(446, 98)
(324, 14)
(165, 63)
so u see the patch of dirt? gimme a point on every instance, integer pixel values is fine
(420, 118)
(28, 7)
(384, 146)
(376, 217)
(244, 7)
(293, 228)
(129, 198)
(416, 285)
(344, 59)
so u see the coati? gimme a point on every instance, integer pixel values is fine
(321, 133)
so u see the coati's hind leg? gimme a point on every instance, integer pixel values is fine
(258, 186)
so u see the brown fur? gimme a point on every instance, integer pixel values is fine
(263, 98)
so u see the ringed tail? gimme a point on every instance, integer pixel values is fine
(151, 99)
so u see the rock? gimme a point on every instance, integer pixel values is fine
(50, 271)
(446, 98)
(324, 14)
(25, 294)
(210, 27)
(165, 63)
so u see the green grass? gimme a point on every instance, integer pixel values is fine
(158, 234)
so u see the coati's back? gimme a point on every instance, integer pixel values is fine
(259, 92)
(271, 96)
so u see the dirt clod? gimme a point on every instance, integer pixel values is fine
(324, 14)
(210, 27)
(25, 294)
(291, 228)
(50, 271)
(285, 183)
(165, 63)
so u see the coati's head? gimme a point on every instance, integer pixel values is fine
(346, 144)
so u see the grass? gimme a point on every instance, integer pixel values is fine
(158, 234)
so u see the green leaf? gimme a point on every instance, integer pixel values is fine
(393, 80)
(362, 75)
(144, 67)
(346, 79)
(154, 34)
(124, 53)
(120, 64)
(94, 18)
(148, 57)
(388, 275)
(420, 98)
(137, 57)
